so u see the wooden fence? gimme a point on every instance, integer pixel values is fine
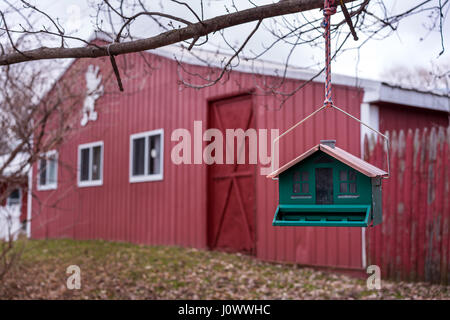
(413, 241)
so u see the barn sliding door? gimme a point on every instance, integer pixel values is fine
(231, 187)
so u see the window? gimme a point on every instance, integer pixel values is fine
(301, 182)
(324, 186)
(146, 156)
(347, 181)
(90, 164)
(14, 198)
(48, 171)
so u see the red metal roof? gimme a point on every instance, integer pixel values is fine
(339, 154)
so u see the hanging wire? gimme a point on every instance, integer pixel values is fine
(386, 139)
(290, 129)
(328, 10)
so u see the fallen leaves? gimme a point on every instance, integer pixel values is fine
(111, 270)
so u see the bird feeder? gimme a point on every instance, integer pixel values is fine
(327, 186)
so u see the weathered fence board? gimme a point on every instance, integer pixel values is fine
(413, 241)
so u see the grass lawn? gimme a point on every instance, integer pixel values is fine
(111, 270)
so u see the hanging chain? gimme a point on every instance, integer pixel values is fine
(329, 9)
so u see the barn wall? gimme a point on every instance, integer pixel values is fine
(413, 241)
(173, 211)
(161, 212)
(398, 117)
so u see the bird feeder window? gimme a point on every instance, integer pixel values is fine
(301, 182)
(347, 182)
(324, 185)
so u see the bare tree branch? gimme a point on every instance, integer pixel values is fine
(170, 37)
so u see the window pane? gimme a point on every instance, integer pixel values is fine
(297, 176)
(343, 175)
(305, 176)
(352, 175)
(96, 162)
(15, 194)
(84, 166)
(296, 188)
(14, 198)
(51, 170)
(352, 187)
(305, 187)
(42, 172)
(154, 156)
(343, 187)
(138, 156)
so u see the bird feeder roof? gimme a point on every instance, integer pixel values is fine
(339, 154)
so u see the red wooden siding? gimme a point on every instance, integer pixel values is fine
(413, 241)
(397, 117)
(174, 211)
(24, 206)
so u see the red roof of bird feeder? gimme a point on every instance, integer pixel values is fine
(339, 154)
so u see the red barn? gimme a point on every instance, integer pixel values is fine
(114, 178)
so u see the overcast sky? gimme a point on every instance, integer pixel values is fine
(411, 45)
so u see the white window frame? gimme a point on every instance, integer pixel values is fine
(47, 186)
(8, 203)
(90, 182)
(147, 177)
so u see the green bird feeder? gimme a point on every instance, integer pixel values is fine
(329, 187)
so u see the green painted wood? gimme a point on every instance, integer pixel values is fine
(377, 215)
(286, 188)
(322, 216)
(300, 208)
